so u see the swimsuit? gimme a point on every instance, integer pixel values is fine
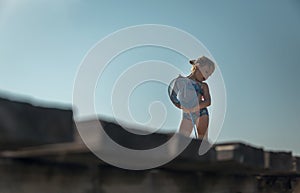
(195, 115)
(186, 93)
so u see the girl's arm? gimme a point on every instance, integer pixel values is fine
(206, 98)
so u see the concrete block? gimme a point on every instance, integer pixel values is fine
(296, 164)
(240, 153)
(191, 152)
(22, 125)
(278, 161)
(133, 138)
(190, 159)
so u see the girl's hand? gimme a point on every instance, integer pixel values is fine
(188, 110)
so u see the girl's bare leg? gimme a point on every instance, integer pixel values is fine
(186, 127)
(202, 127)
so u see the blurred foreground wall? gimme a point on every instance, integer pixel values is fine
(41, 152)
(22, 124)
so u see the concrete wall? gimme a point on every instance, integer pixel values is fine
(22, 124)
(33, 176)
(67, 166)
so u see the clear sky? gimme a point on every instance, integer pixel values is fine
(256, 45)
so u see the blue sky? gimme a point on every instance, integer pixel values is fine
(256, 44)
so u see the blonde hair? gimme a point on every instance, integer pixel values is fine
(194, 68)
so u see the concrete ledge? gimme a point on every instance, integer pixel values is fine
(230, 158)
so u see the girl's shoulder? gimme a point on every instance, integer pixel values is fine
(204, 86)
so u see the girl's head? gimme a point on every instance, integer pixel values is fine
(203, 67)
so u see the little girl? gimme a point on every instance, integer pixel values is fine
(195, 110)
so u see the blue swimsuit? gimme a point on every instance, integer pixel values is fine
(193, 87)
